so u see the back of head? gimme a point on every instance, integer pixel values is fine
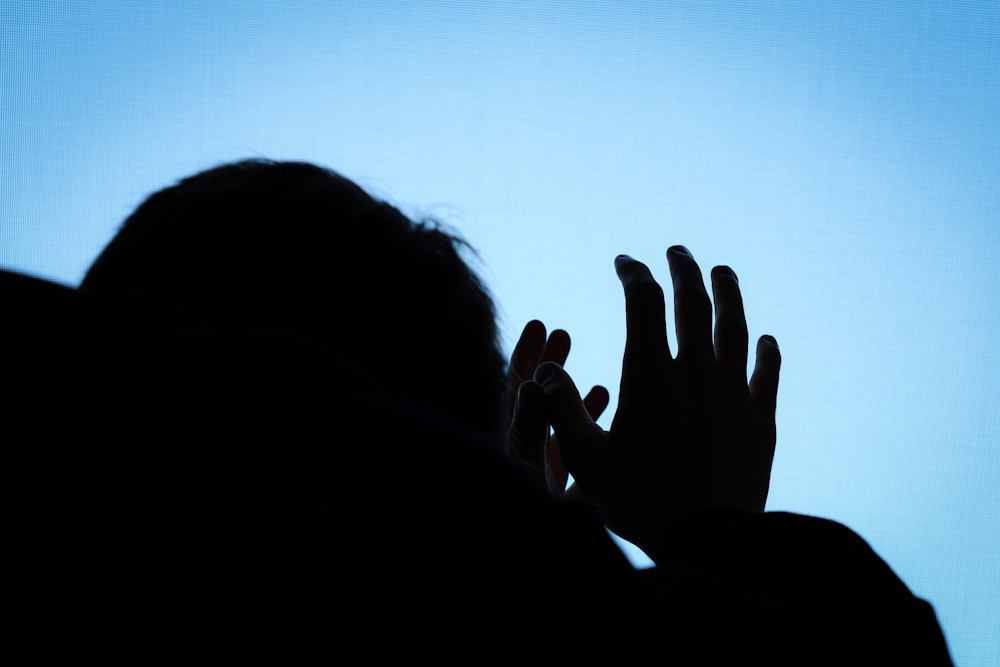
(297, 247)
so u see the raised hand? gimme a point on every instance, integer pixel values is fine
(528, 434)
(690, 433)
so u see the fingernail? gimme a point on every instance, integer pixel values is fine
(679, 250)
(544, 372)
(728, 270)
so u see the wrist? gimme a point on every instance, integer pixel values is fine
(694, 531)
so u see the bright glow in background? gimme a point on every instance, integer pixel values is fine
(843, 157)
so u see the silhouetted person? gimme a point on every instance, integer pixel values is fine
(246, 474)
(299, 248)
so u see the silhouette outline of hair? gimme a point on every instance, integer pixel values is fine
(298, 247)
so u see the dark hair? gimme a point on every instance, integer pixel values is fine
(299, 247)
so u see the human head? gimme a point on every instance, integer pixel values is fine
(298, 247)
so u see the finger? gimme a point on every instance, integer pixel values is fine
(578, 434)
(596, 401)
(527, 351)
(692, 307)
(556, 348)
(731, 337)
(764, 381)
(556, 474)
(646, 345)
(529, 427)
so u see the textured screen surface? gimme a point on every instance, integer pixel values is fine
(843, 157)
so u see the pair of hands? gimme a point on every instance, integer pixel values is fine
(690, 432)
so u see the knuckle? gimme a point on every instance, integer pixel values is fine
(693, 299)
(645, 291)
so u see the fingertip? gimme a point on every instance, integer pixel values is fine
(629, 267)
(723, 271)
(764, 381)
(768, 352)
(596, 401)
(621, 262)
(601, 392)
(536, 327)
(767, 346)
(632, 272)
(678, 251)
(545, 371)
(556, 383)
(556, 347)
(560, 337)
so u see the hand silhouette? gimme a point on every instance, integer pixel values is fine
(528, 435)
(689, 433)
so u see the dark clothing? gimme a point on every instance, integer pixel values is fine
(177, 479)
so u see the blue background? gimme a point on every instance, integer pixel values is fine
(843, 157)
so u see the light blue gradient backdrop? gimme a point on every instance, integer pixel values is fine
(843, 157)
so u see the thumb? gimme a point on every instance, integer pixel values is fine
(578, 435)
(528, 428)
